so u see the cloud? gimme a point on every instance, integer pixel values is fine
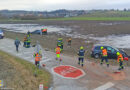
(62, 4)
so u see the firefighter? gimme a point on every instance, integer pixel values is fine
(60, 43)
(25, 41)
(81, 56)
(28, 33)
(37, 59)
(58, 51)
(120, 60)
(44, 31)
(28, 42)
(104, 56)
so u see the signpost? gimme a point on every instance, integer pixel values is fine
(41, 87)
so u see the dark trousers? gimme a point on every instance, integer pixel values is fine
(81, 61)
(121, 65)
(61, 46)
(104, 58)
(37, 63)
(17, 46)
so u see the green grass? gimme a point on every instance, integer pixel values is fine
(108, 14)
(95, 18)
(42, 75)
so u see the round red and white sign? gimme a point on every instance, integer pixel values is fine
(68, 71)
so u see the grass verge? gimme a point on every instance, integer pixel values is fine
(27, 80)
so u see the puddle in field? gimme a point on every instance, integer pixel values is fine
(119, 41)
(111, 23)
(23, 28)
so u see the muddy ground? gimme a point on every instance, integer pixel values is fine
(93, 28)
(97, 28)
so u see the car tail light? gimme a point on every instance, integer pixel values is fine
(126, 58)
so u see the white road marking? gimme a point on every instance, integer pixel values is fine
(105, 86)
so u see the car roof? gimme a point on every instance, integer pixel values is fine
(99, 45)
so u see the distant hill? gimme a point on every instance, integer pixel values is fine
(107, 14)
(62, 13)
(45, 14)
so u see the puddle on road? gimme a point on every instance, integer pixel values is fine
(23, 28)
(119, 41)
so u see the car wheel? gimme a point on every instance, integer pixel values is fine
(96, 56)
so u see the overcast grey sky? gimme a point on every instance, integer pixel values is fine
(42, 5)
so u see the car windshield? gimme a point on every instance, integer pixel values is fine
(115, 48)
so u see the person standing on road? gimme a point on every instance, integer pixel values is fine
(81, 56)
(17, 43)
(58, 51)
(104, 56)
(37, 59)
(25, 41)
(120, 60)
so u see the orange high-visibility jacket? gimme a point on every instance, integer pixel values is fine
(104, 52)
(58, 50)
(44, 30)
(120, 57)
(25, 38)
(37, 57)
